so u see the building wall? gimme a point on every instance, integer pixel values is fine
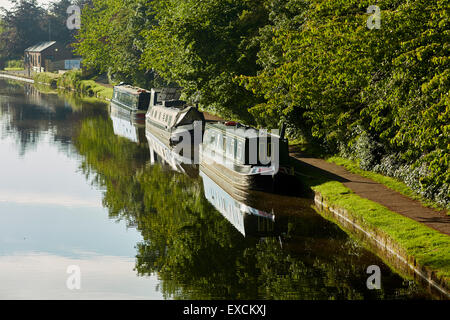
(41, 61)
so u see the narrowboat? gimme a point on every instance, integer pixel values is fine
(126, 126)
(131, 101)
(243, 157)
(245, 217)
(171, 120)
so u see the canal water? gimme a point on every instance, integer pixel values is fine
(80, 188)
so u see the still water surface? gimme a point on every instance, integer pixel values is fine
(81, 187)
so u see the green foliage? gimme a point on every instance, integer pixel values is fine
(17, 64)
(203, 46)
(377, 96)
(47, 78)
(74, 80)
(371, 94)
(110, 41)
(28, 23)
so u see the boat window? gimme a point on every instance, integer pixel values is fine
(240, 152)
(230, 143)
(210, 138)
(127, 99)
(219, 144)
(170, 120)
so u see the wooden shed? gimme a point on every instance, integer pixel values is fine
(46, 56)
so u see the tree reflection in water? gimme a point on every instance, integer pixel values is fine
(198, 254)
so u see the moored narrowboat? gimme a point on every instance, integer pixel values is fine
(131, 101)
(243, 157)
(171, 120)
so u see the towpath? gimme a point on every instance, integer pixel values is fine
(374, 191)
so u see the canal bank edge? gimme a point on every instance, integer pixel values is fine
(417, 265)
(13, 76)
(87, 87)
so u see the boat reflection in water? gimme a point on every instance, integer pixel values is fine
(127, 126)
(249, 221)
(170, 157)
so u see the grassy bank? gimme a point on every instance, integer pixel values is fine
(430, 248)
(74, 81)
(46, 78)
(14, 69)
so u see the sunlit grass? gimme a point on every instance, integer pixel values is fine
(14, 69)
(429, 247)
(72, 80)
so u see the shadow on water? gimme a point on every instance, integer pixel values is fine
(200, 241)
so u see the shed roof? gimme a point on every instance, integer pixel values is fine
(40, 46)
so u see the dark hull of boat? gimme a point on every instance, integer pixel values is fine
(239, 184)
(162, 135)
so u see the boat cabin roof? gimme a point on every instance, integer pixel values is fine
(170, 117)
(130, 89)
(235, 129)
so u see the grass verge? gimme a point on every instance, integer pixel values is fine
(74, 81)
(14, 69)
(47, 78)
(430, 248)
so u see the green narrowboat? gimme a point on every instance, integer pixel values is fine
(243, 157)
(131, 101)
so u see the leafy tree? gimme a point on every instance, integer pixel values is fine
(203, 46)
(27, 24)
(110, 41)
(380, 96)
(23, 26)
